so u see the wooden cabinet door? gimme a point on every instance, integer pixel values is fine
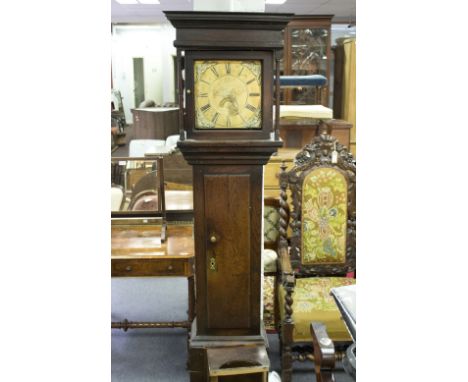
(229, 271)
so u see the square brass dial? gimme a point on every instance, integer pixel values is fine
(228, 94)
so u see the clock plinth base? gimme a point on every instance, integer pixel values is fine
(199, 345)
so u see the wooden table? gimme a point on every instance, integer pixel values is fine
(137, 251)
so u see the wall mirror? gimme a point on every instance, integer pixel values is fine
(151, 186)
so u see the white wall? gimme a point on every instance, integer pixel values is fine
(155, 44)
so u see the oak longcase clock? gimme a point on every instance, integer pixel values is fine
(228, 64)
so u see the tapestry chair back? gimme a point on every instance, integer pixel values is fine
(323, 220)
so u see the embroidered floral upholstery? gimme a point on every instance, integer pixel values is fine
(324, 216)
(269, 303)
(313, 302)
(270, 224)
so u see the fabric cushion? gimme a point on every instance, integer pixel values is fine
(269, 260)
(269, 302)
(304, 80)
(271, 219)
(305, 111)
(313, 302)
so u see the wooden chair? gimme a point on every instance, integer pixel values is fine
(322, 246)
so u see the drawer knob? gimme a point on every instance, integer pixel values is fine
(128, 268)
(213, 239)
(170, 268)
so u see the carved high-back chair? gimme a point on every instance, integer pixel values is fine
(322, 246)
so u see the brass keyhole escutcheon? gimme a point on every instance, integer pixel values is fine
(213, 239)
(212, 264)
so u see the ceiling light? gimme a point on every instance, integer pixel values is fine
(275, 2)
(127, 2)
(148, 1)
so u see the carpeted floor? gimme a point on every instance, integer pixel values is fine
(143, 355)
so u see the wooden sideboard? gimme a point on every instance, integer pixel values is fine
(304, 135)
(272, 170)
(298, 133)
(155, 122)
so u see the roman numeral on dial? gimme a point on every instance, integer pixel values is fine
(254, 94)
(252, 80)
(228, 68)
(253, 109)
(215, 118)
(205, 107)
(215, 72)
(203, 95)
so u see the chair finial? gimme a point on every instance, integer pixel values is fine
(325, 128)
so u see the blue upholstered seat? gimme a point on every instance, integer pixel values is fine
(310, 80)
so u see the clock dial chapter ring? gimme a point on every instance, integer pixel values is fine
(228, 95)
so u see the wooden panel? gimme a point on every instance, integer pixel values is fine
(298, 136)
(272, 169)
(155, 123)
(150, 267)
(343, 136)
(227, 211)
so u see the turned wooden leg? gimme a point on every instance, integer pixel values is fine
(286, 351)
(287, 329)
(286, 364)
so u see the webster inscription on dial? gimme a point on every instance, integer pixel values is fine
(228, 94)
